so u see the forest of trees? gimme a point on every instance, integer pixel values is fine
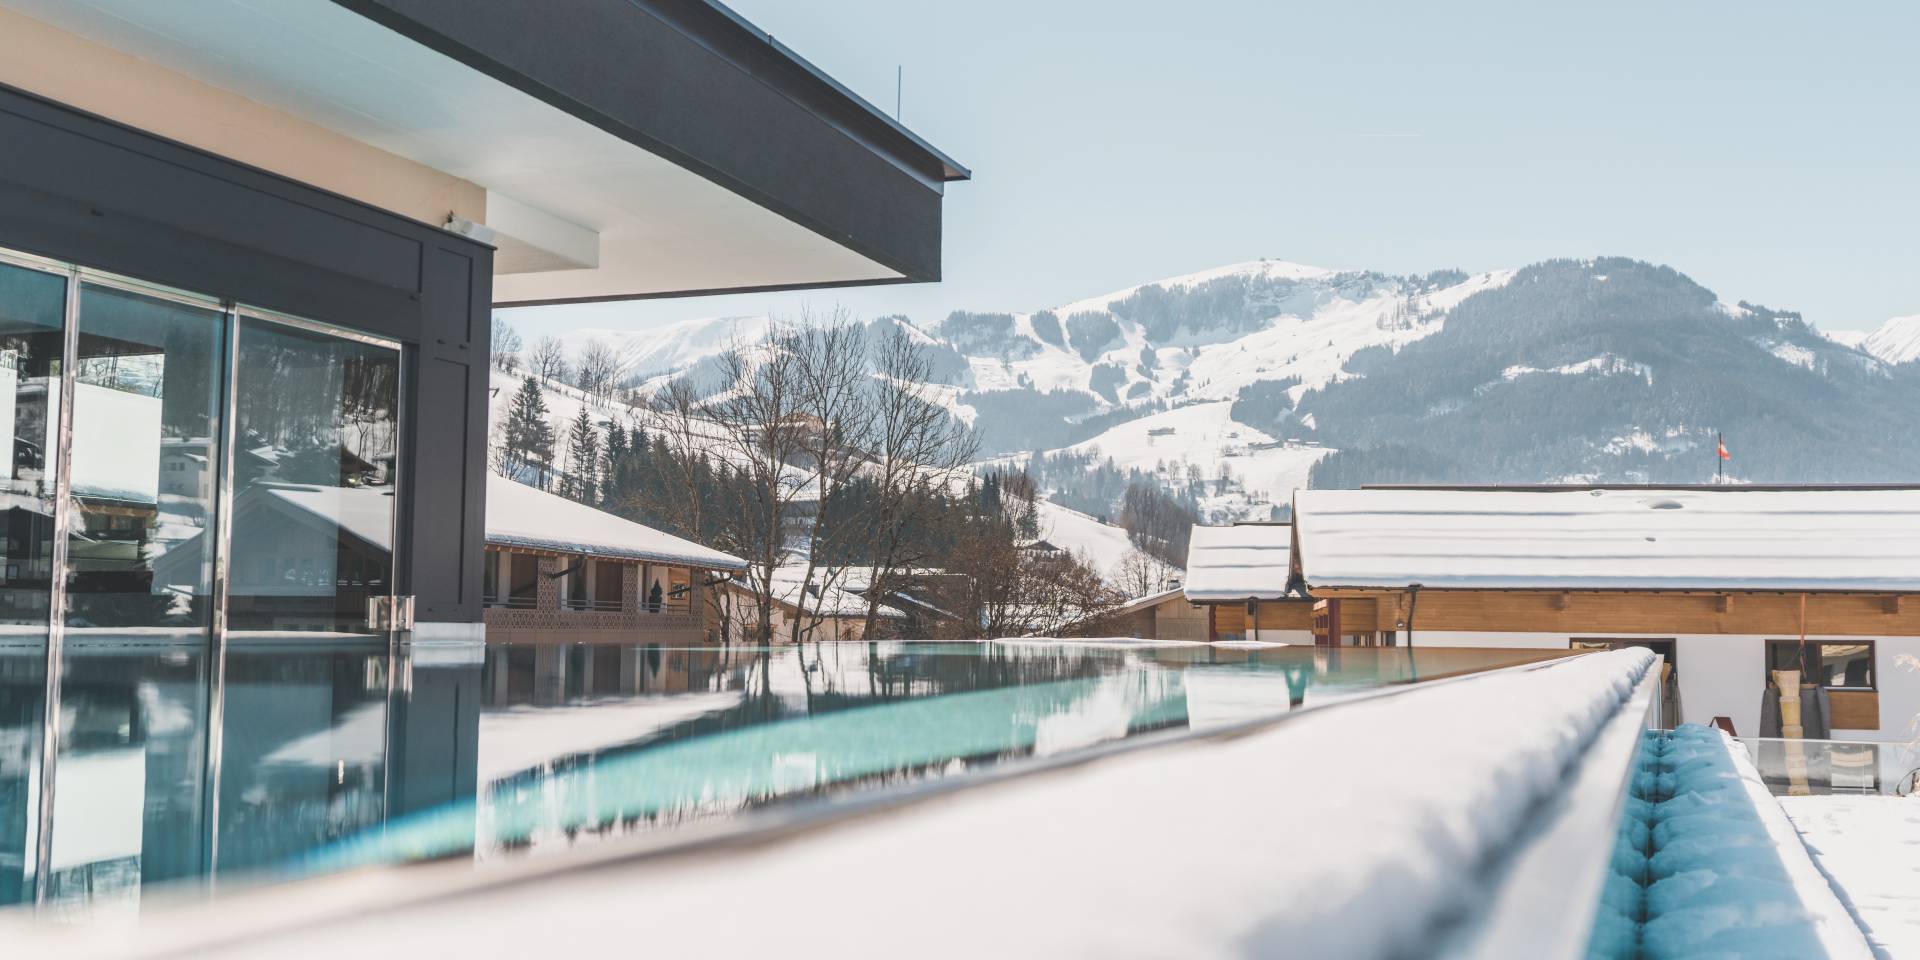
(815, 451)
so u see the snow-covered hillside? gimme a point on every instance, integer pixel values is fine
(1897, 340)
(672, 348)
(1118, 347)
(1154, 376)
(1103, 544)
(1202, 441)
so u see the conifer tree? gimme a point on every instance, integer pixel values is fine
(618, 469)
(583, 460)
(528, 435)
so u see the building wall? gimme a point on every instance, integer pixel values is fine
(549, 622)
(1280, 621)
(1723, 675)
(1176, 619)
(1631, 612)
(83, 190)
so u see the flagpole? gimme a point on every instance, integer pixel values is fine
(1719, 460)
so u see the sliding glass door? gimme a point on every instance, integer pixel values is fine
(134, 661)
(304, 744)
(199, 508)
(32, 317)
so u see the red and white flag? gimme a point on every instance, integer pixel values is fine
(1720, 448)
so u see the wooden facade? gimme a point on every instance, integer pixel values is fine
(1242, 617)
(1630, 612)
(1169, 617)
(619, 605)
(1588, 618)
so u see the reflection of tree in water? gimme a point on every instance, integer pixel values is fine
(839, 677)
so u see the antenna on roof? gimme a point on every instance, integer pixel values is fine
(899, 80)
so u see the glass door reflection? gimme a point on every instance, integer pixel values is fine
(189, 682)
(32, 309)
(130, 779)
(304, 741)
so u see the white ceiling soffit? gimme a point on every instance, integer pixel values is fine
(660, 228)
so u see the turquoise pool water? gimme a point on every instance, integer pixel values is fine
(698, 734)
(337, 752)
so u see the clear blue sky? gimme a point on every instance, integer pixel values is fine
(1769, 150)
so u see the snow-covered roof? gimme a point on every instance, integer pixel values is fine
(828, 602)
(1642, 538)
(521, 516)
(365, 512)
(1138, 604)
(1246, 561)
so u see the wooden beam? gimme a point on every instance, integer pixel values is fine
(1892, 603)
(1562, 600)
(1722, 603)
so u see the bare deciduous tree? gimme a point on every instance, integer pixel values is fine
(834, 422)
(506, 346)
(1141, 574)
(548, 360)
(598, 369)
(758, 414)
(918, 448)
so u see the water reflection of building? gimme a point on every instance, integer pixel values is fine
(245, 300)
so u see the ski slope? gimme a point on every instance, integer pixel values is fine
(1205, 436)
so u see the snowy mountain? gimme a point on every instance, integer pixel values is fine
(1236, 385)
(674, 348)
(1897, 340)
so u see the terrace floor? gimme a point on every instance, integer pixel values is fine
(1869, 848)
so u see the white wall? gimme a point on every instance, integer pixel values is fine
(1271, 635)
(1722, 675)
(1461, 638)
(1899, 688)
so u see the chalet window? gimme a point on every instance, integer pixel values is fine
(1837, 665)
(679, 589)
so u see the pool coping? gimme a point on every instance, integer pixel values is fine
(182, 923)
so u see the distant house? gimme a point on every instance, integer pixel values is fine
(1040, 548)
(835, 613)
(557, 571)
(1161, 615)
(1240, 575)
(1730, 584)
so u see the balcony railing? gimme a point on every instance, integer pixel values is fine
(511, 603)
(590, 606)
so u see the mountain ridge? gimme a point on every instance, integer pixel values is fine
(1239, 382)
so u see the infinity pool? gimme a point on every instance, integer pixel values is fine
(545, 748)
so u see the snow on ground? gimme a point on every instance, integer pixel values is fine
(1897, 340)
(1605, 363)
(1103, 543)
(1206, 436)
(1792, 353)
(1869, 847)
(669, 348)
(1310, 336)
